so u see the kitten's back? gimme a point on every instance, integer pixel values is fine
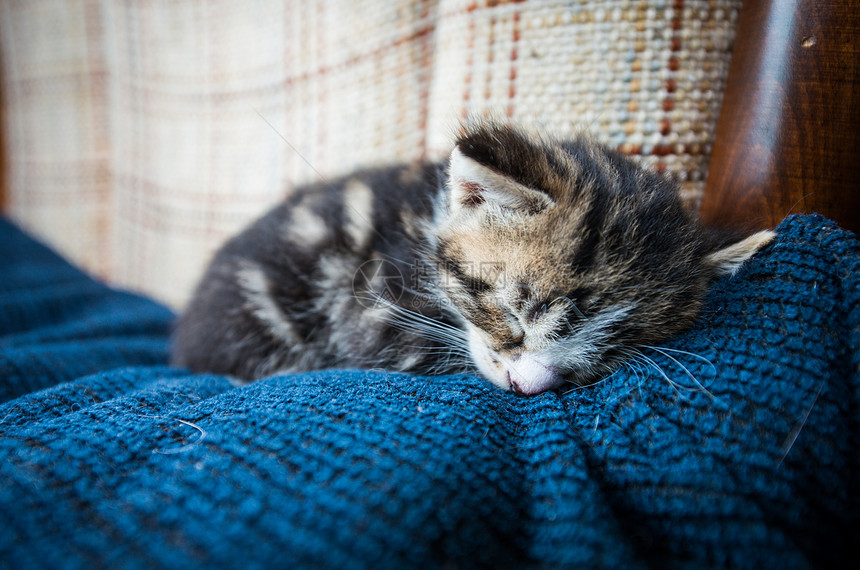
(289, 292)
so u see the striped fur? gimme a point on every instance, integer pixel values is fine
(531, 261)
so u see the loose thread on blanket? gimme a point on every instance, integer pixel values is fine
(795, 432)
(181, 448)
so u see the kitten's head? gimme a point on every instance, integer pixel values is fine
(562, 257)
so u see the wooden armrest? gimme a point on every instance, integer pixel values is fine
(788, 136)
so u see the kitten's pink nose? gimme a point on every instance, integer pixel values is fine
(515, 388)
(531, 377)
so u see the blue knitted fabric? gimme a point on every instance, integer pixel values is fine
(741, 451)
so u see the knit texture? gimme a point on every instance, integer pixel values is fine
(740, 452)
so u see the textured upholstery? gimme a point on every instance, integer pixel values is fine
(141, 134)
(744, 455)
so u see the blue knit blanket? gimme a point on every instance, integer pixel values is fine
(734, 445)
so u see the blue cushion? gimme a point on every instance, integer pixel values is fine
(734, 444)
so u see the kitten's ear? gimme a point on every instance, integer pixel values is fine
(472, 185)
(728, 260)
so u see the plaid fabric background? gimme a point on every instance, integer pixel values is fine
(140, 135)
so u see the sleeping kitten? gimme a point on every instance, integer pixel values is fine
(531, 261)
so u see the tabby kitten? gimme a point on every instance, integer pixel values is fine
(531, 261)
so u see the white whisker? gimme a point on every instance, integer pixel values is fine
(452, 339)
(685, 369)
(652, 364)
(678, 387)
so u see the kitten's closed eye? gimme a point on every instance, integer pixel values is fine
(534, 311)
(531, 261)
(474, 285)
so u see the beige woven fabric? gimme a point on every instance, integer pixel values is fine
(142, 134)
